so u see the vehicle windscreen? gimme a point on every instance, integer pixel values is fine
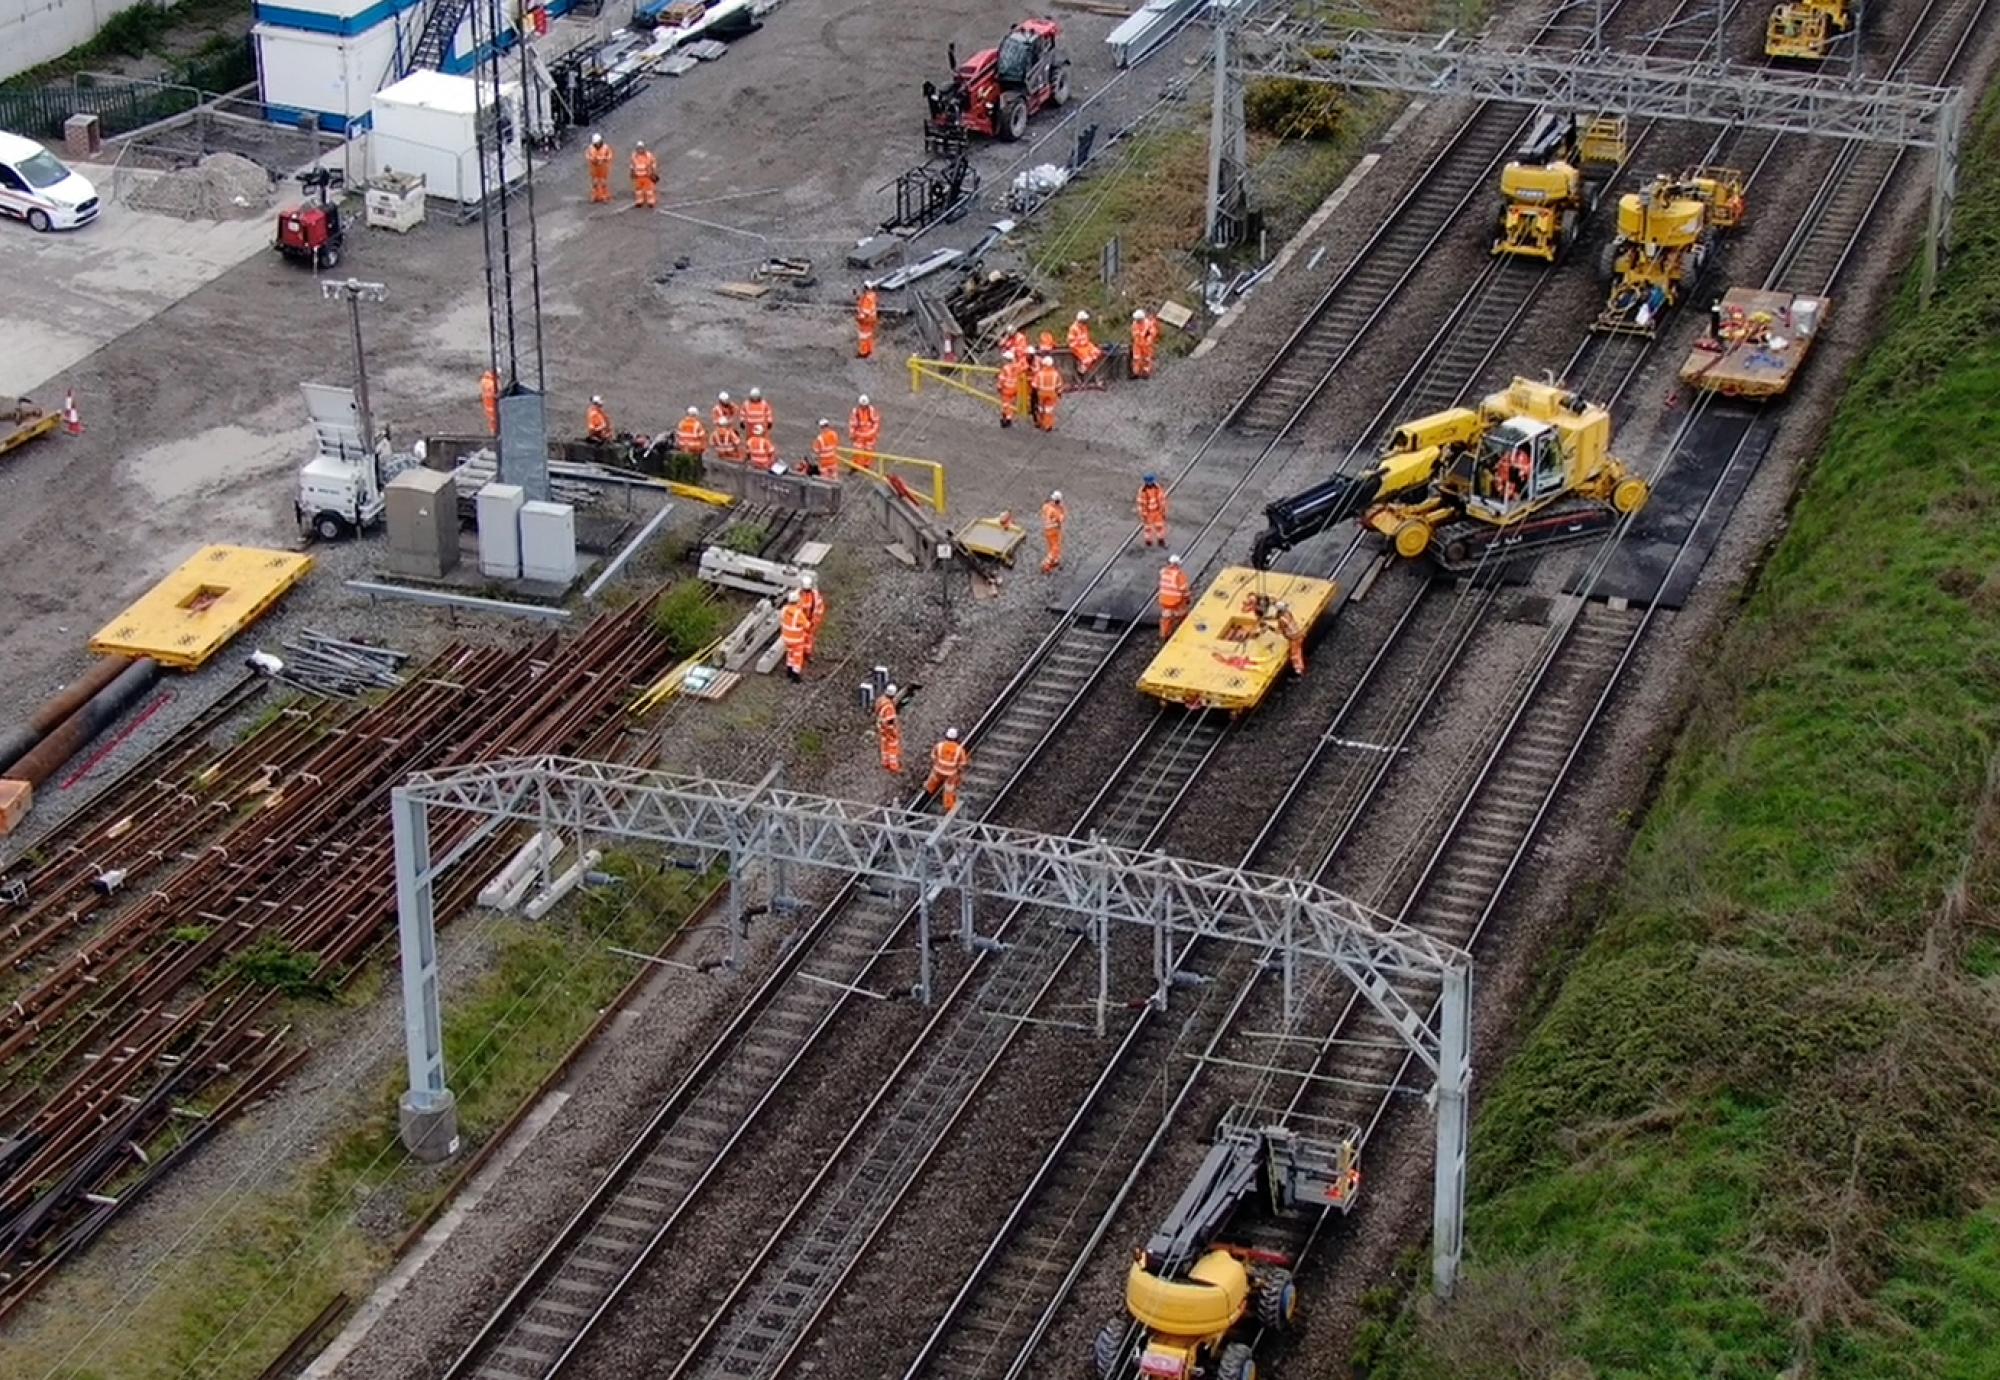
(1017, 55)
(42, 170)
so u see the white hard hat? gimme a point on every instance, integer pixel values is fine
(792, 598)
(596, 400)
(824, 422)
(597, 138)
(1049, 360)
(952, 734)
(1173, 560)
(889, 690)
(1284, 607)
(694, 412)
(805, 580)
(723, 396)
(1083, 316)
(756, 392)
(1139, 315)
(861, 401)
(868, 284)
(1055, 495)
(756, 428)
(638, 143)
(1006, 354)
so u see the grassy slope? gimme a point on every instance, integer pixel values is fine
(1759, 1126)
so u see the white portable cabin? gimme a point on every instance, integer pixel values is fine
(427, 124)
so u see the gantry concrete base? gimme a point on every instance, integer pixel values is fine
(430, 1130)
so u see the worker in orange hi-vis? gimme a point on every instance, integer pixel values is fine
(1145, 342)
(949, 759)
(690, 436)
(1152, 512)
(826, 452)
(598, 158)
(762, 451)
(1047, 345)
(1016, 345)
(1013, 373)
(597, 422)
(1055, 513)
(725, 430)
(889, 730)
(1175, 596)
(757, 412)
(1294, 635)
(795, 631)
(489, 398)
(1081, 347)
(864, 431)
(814, 603)
(1048, 392)
(867, 311)
(645, 176)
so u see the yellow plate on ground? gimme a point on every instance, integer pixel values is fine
(190, 616)
(1223, 656)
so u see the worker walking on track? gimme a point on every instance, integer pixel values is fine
(889, 730)
(1295, 637)
(1054, 514)
(1013, 373)
(795, 631)
(814, 603)
(757, 412)
(864, 431)
(489, 398)
(598, 158)
(1082, 348)
(645, 176)
(867, 312)
(1152, 512)
(949, 759)
(727, 435)
(763, 453)
(597, 422)
(691, 437)
(1145, 340)
(1175, 596)
(826, 452)
(1048, 392)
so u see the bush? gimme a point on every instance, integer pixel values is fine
(688, 618)
(1286, 108)
(133, 32)
(273, 963)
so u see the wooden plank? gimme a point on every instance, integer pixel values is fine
(748, 292)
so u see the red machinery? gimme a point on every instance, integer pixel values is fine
(312, 233)
(995, 90)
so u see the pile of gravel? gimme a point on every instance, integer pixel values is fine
(222, 186)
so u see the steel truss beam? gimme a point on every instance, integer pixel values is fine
(1601, 81)
(1285, 917)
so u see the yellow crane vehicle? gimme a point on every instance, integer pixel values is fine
(1530, 468)
(1218, 1269)
(1552, 182)
(1665, 231)
(1806, 29)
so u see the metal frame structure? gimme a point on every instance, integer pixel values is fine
(1896, 113)
(1174, 898)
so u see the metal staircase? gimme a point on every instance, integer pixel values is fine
(435, 40)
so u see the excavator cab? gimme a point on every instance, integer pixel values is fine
(1520, 462)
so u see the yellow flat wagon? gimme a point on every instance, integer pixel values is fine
(1756, 343)
(1228, 653)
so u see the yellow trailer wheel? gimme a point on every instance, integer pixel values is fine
(1412, 539)
(1630, 495)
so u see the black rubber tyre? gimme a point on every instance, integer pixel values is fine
(1059, 88)
(1277, 1300)
(1013, 122)
(330, 527)
(1237, 1362)
(328, 256)
(1109, 1347)
(1566, 239)
(39, 221)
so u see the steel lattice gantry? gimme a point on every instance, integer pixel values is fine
(1602, 81)
(1287, 919)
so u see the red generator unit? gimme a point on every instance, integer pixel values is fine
(311, 233)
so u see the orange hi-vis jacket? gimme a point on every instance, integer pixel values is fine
(1054, 515)
(1175, 592)
(826, 453)
(762, 453)
(949, 759)
(1152, 503)
(757, 412)
(691, 435)
(864, 427)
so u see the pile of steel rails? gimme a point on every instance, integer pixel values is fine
(150, 942)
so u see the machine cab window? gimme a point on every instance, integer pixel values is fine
(1519, 460)
(1019, 52)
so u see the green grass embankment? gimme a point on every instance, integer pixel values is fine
(1756, 1132)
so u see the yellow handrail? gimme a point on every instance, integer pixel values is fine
(885, 464)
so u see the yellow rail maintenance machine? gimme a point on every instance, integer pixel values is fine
(1806, 29)
(1664, 233)
(1228, 652)
(1553, 181)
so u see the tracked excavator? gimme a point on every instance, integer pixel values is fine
(1218, 1268)
(1527, 470)
(1665, 231)
(1552, 181)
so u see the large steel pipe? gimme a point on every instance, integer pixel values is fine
(16, 742)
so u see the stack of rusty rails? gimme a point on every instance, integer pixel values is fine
(140, 1040)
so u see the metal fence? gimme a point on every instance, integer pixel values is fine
(123, 103)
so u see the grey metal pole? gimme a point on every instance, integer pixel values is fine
(924, 942)
(1944, 187)
(428, 1116)
(1453, 1084)
(1217, 118)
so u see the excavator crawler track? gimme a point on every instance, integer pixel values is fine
(1468, 546)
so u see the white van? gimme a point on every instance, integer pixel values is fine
(37, 188)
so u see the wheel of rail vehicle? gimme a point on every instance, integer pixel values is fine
(1458, 551)
(1237, 1363)
(329, 527)
(1500, 232)
(1109, 1347)
(1630, 495)
(1412, 539)
(1566, 238)
(1013, 122)
(1059, 89)
(1277, 1300)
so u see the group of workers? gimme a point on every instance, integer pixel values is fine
(949, 757)
(1029, 379)
(743, 434)
(645, 172)
(799, 623)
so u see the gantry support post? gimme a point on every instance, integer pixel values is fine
(428, 1117)
(1944, 192)
(1228, 141)
(1454, 1078)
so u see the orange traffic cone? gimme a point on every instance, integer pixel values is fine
(72, 419)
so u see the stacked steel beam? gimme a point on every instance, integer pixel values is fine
(167, 921)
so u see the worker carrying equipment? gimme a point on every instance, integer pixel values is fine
(727, 434)
(826, 452)
(864, 431)
(795, 631)
(1152, 505)
(597, 422)
(1082, 348)
(598, 159)
(1054, 514)
(866, 313)
(949, 759)
(1665, 233)
(763, 454)
(889, 730)
(1048, 392)
(1145, 342)
(691, 436)
(645, 176)
(489, 398)
(757, 412)
(1009, 382)
(1175, 596)
(1552, 182)
(1294, 635)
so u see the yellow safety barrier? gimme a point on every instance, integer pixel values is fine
(946, 372)
(884, 465)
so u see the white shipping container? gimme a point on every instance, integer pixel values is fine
(499, 510)
(548, 542)
(328, 74)
(425, 124)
